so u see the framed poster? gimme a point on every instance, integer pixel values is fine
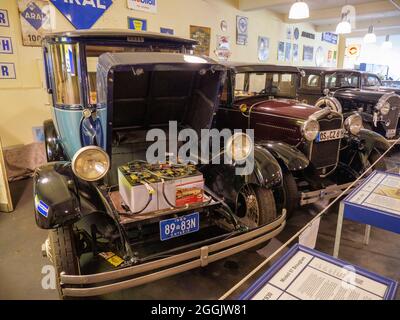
(242, 26)
(320, 56)
(288, 50)
(223, 50)
(5, 196)
(281, 51)
(263, 48)
(295, 52)
(146, 6)
(35, 18)
(203, 36)
(308, 53)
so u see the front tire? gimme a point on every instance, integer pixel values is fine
(63, 254)
(291, 193)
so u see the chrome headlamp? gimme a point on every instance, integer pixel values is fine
(354, 124)
(310, 129)
(90, 163)
(383, 108)
(239, 146)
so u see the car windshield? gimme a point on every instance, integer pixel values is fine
(93, 52)
(342, 80)
(275, 84)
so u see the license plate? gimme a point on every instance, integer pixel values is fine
(177, 227)
(330, 135)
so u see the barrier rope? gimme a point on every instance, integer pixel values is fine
(294, 237)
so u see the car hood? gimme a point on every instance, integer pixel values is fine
(281, 107)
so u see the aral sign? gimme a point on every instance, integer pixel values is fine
(83, 14)
(143, 5)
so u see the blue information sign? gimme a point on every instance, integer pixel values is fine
(330, 37)
(376, 202)
(34, 15)
(7, 70)
(306, 274)
(83, 14)
(167, 31)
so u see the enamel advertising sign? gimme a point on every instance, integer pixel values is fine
(35, 20)
(83, 14)
(143, 5)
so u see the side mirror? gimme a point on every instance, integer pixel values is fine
(302, 73)
(326, 92)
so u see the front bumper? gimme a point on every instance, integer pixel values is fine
(111, 281)
(327, 193)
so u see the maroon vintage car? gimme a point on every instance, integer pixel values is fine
(319, 151)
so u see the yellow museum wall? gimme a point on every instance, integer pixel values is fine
(24, 103)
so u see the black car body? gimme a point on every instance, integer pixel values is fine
(265, 98)
(142, 82)
(356, 91)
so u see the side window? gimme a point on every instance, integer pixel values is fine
(64, 57)
(257, 82)
(225, 92)
(372, 81)
(311, 81)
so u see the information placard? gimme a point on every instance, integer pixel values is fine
(376, 202)
(306, 274)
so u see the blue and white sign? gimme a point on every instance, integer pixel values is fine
(137, 24)
(6, 45)
(7, 70)
(83, 14)
(34, 15)
(35, 18)
(143, 5)
(329, 37)
(41, 207)
(242, 25)
(376, 202)
(177, 227)
(167, 31)
(4, 22)
(306, 274)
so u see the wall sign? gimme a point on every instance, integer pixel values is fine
(306, 274)
(353, 50)
(143, 5)
(320, 57)
(308, 53)
(242, 24)
(296, 33)
(308, 35)
(288, 51)
(7, 70)
(35, 21)
(263, 48)
(83, 14)
(281, 51)
(203, 36)
(223, 50)
(295, 52)
(4, 22)
(167, 31)
(137, 24)
(6, 45)
(224, 26)
(329, 37)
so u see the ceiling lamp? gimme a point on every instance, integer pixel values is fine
(344, 26)
(299, 10)
(370, 37)
(387, 44)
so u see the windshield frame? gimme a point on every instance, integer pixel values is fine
(342, 72)
(295, 79)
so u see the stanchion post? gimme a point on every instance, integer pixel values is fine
(339, 226)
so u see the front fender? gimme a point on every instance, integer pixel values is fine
(56, 195)
(292, 158)
(373, 140)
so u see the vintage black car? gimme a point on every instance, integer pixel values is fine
(109, 89)
(320, 152)
(356, 91)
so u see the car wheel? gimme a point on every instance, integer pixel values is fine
(63, 254)
(291, 193)
(258, 208)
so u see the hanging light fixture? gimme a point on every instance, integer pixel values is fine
(344, 25)
(299, 10)
(370, 37)
(387, 44)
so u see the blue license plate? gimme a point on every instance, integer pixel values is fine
(177, 227)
